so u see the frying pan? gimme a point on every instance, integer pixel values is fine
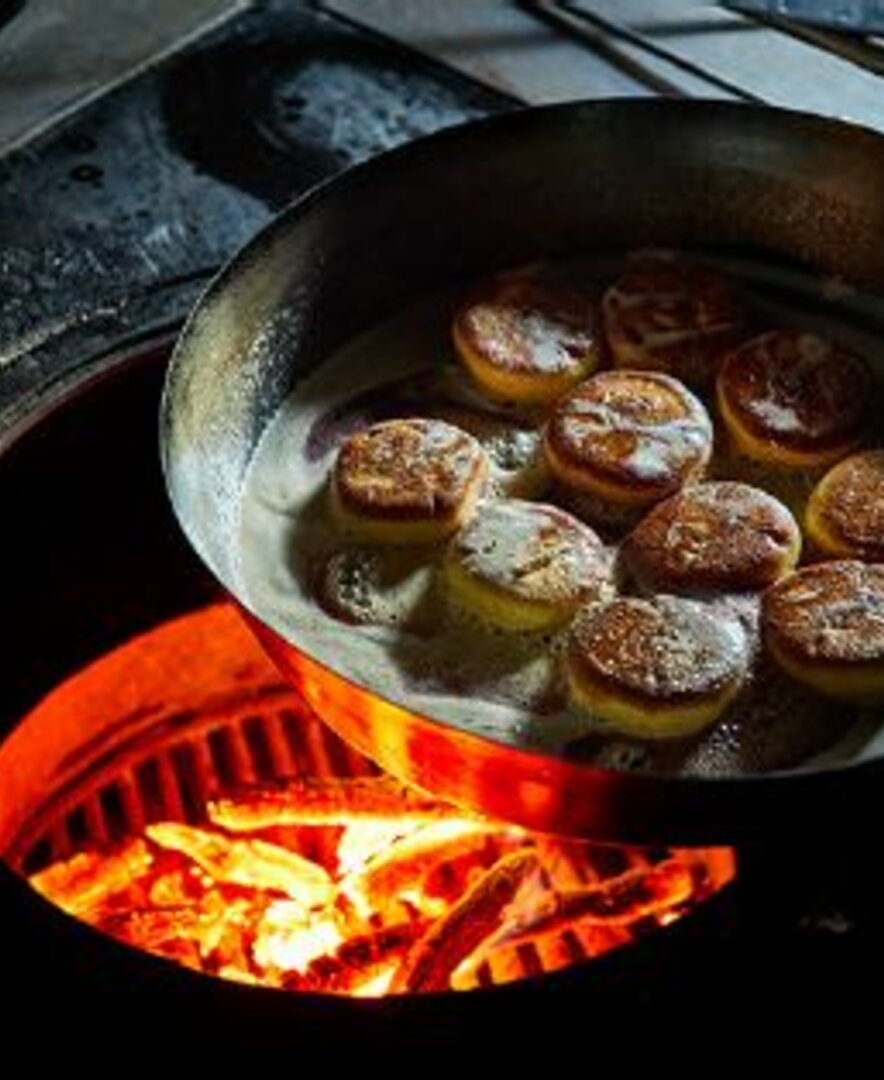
(540, 182)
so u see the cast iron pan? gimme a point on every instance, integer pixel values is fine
(540, 182)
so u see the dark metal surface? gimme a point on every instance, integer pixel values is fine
(586, 25)
(58, 56)
(110, 227)
(583, 176)
(864, 17)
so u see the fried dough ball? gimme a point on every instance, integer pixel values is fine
(655, 668)
(721, 536)
(673, 316)
(411, 481)
(824, 625)
(795, 400)
(524, 565)
(526, 339)
(630, 437)
(513, 446)
(845, 513)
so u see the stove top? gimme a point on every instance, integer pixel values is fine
(110, 226)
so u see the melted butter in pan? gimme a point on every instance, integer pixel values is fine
(385, 618)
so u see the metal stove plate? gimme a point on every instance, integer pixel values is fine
(58, 55)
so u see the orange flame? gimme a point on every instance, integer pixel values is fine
(329, 880)
(403, 905)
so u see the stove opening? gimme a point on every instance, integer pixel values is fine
(178, 795)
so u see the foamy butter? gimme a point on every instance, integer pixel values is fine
(385, 618)
(381, 616)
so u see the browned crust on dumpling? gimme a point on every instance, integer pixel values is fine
(717, 536)
(798, 391)
(533, 551)
(526, 324)
(845, 515)
(673, 316)
(407, 470)
(829, 615)
(639, 434)
(656, 652)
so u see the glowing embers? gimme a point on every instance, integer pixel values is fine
(359, 886)
(179, 797)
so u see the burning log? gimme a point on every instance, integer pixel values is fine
(416, 897)
(360, 960)
(169, 932)
(179, 886)
(209, 935)
(617, 901)
(406, 863)
(363, 839)
(449, 941)
(84, 883)
(287, 938)
(334, 801)
(252, 864)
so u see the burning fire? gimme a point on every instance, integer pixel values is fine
(360, 886)
(250, 843)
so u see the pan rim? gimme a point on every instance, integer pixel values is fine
(769, 782)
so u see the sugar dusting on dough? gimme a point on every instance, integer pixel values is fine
(663, 647)
(532, 550)
(833, 611)
(668, 439)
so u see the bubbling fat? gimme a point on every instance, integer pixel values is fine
(385, 617)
